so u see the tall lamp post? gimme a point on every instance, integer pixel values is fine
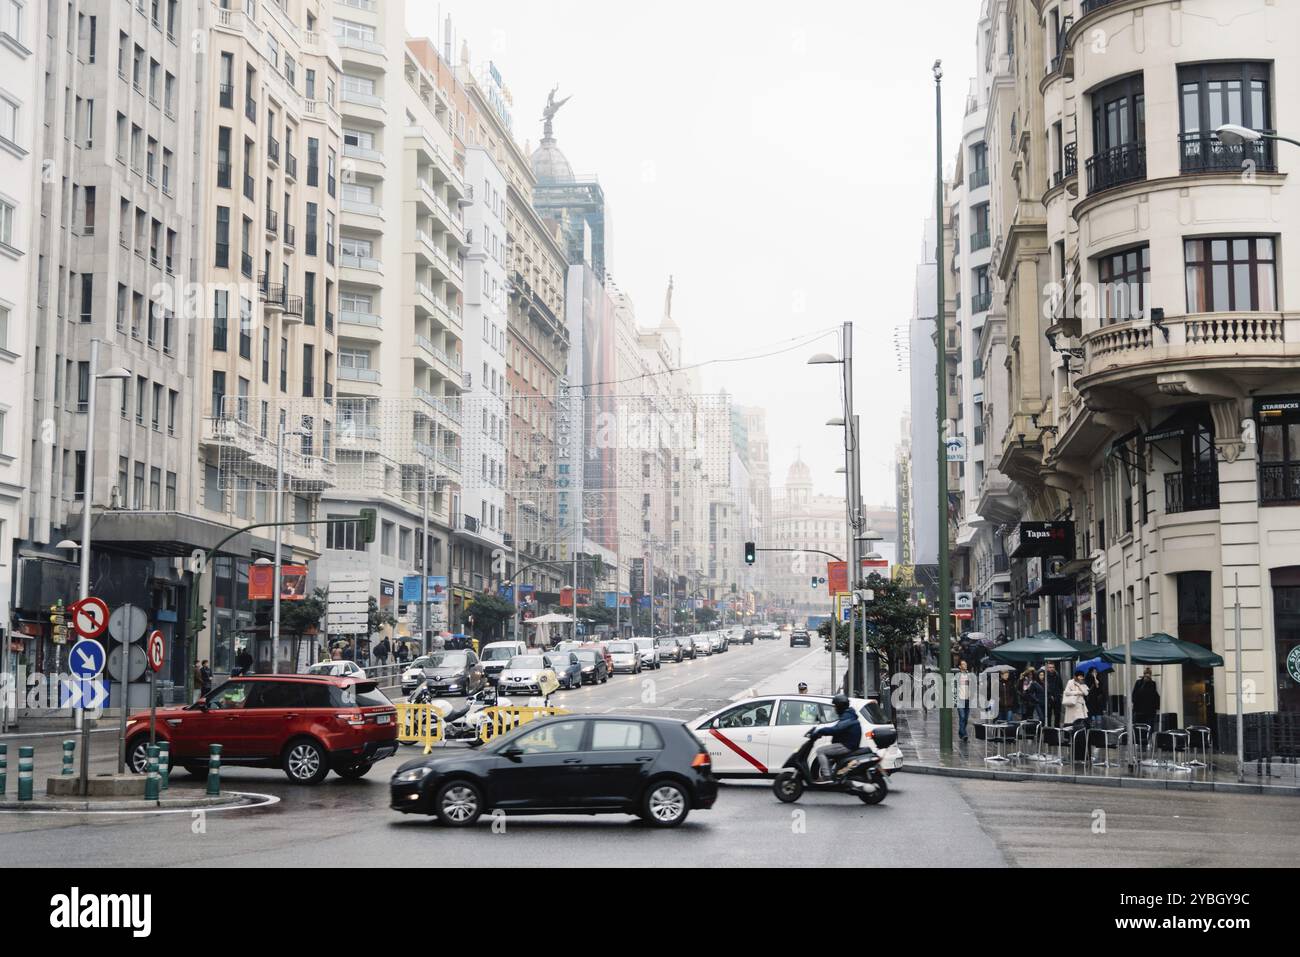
(850, 471)
(941, 416)
(83, 592)
(279, 535)
(531, 505)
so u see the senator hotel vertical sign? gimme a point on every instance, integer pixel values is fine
(563, 451)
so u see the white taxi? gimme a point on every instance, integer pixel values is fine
(754, 737)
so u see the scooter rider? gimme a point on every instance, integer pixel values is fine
(845, 735)
(803, 687)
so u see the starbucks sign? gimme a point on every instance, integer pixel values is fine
(1293, 664)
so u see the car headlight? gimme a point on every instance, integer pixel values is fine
(412, 776)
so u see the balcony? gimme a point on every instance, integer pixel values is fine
(273, 150)
(1213, 355)
(289, 236)
(250, 110)
(246, 264)
(981, 302)
(368, 319)
(223, 175)
(363, 153)
(272, 222)
(226, 96)
(1115, 167)
(979, 240)
(361, 209)
(363, 263)
(1279, 484)
(349, 374)
(1205, 153)
(1071, 158)
(1191, 491)
(357, 43)
(290, 165)
(978, 178)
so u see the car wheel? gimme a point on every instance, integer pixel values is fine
(665, 804)
(354, 772)
(137, 754)
(787, 787)
(458, 803)
(304, 762)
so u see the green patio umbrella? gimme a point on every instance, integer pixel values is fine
(1162, 649)
(1043, 646)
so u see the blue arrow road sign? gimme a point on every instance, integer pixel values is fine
(87, 658)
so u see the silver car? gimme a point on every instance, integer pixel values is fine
(625, 655)
(649, 652)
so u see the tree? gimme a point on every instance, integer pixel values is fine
(489, 612)
(299, 618)
(888, 623)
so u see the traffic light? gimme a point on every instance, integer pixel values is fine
(369, 518)
(200, 620)
(750, 553)
(58, 623)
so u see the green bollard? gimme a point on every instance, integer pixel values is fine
(68, 748)
(4, 769)
(164, 765)
(214, 769)
(26, 759)
(151, 775)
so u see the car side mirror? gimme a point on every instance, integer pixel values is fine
(201, 704)
(513, 753)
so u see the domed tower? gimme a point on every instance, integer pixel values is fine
(799, 484)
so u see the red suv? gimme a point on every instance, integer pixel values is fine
(305, 724)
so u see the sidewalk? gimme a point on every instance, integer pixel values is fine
(918, 732)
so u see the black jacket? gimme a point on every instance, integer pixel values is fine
(1055, 689)
(846, 730)
(1096, 698)
(1146, 697)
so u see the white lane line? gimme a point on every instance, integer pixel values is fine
(266, 800)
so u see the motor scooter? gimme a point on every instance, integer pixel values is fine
(857, 772)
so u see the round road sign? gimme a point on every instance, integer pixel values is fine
(135, 664)
(128, 623)
(155, 651)
(90, 617)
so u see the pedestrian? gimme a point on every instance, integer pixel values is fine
(1030, 691)
(1075, 699)
(1146, 700)
(1006, 697)
(243, 662)
(381, 651)
(1052, 693)
(965, 680)
(1096, 699)
(336, 653)
(204, 678)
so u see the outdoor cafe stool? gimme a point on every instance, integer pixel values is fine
(1173, 742)
(1199, 739)
(1142, 740)
(997, 732)
(1105, 739)
(1028, 729)
(1060, 738)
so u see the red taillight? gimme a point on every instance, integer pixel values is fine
(356, 720)
(702, 760)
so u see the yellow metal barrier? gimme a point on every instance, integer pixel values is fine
(499, 720)
(419, 724)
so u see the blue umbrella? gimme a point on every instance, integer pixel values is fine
(1100, 664)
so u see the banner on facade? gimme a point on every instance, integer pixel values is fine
(437, 588)
(837, 577)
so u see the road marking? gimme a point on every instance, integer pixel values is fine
(266, 800)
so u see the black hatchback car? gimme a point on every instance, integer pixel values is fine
(567, 764)
(800, 638)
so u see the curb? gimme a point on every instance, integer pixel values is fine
(231, 801)
(1146, 784)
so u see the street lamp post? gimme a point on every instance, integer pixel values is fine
(279, 534)
(83, 592)
(940, 342)
(515, 584)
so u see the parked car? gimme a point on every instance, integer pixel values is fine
(625, 656)
(337, 669)
(688, 645)
(602, 649)
(755, 736)
(450, 672)
(566, 666)
(528, 674)
(497, 654)
(718, 641)
(567, 645)
(703, 646)
(800, 638)
(670, 649)
(650, 767)
(594, 669)
(307, 725)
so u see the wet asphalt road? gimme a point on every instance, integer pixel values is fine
(926, 821)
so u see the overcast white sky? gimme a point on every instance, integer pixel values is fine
(776, 158)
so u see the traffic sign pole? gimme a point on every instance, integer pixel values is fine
(154, 652)
(86, 660)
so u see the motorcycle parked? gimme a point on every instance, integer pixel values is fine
(857, 772)
(462, 722)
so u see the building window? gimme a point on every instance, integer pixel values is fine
(343, 536)
(1286, 632)
(1231, 274)
(1123, 278)
(220, 327)
(1118, 134)
(1212, 94)
(1278, 431)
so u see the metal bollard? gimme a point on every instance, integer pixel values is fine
(214, 769)
(26, 760)
(4, 768)
(164, 765)
(68, 748)
(151, 775)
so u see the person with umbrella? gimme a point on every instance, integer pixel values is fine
(1096, 699)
